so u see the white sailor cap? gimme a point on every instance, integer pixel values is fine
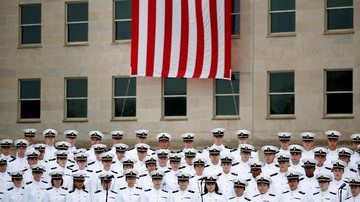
(320, 151)
(198, 161)
(71, 133)
(294, 148)
(81, 156)
(79, 176)
(107, 156)
(188, 136)
(239, 182)
(211, 178)
(96, 134)
(142, 147)
(163, 136)
(256, 165)
(307, 136)
(79, 150)
(190, 152)
(293, 175)
(332, 134)
(157, 174)
(284, 136)
(32, 154)
(214, 150)
(183, 176)
(269, 149)
(117, 134)
(61, 154)
(141, 133)
(226, 159)
(338, 164)
(50, 133)
(127, 161)
(130, 173)
(99, 147)
(40, 147)
(282, 157)
(343, 151)
(21, 143)
(263, 179)
(29, 132)
(243, 133)
(6, 142)
(56, 174)
(324, 177)
(37, 168)
(175, 157)
(247, 148)
(62, 145)
(309, 162)
(355, 138)
(150, 160)
(106, 176)
(162, 153)
(121, 147)
(218, 131)
(17, 174)
(354, 181)
(3, 160)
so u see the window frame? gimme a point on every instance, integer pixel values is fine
(236, 116)
(163, 96)
(76, 43)
(27, 120)
(279, 116)
(114, 97)
(232, 24)
(340, 115)
(30, 45)
(119, 20)
(71, 119)
(337, 31)
(280, 34)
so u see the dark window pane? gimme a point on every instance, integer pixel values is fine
(125, 86)
(340, 103)
(123, 10)
(235, 24)
(339, 3)
(31, 35)
(30, 109)
(283, 22)
(224, 86)
(123, 30)
(78, 32)
(175, 106)
(125, 107)
(339, 81)
(77, 108)
(31, 14)
(225, 105)
(282, 104)
(340, 19)
(282, 82)
(76, 88)
(235, 6)
(30, 89)
(277, 5)
(174, 86)
(77, 12)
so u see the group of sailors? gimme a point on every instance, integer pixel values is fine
(59, 171)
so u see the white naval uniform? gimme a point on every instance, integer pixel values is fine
(295, 195)
(5, 183)
(195, 183)
(18, 164)
(237, 157)
(100, 196)
(14, 194)
(78, 195)
(171, 181)
(50, 152)
(242, 169)
(212, 169)
(239, 199)
(226, 186)
(269, 169)
(155, 195)
(324, 196)
(353, 199)
(7, 157)
(183, 196)
(145, 182)
(53, 194)
(264, 197)
(224, 151)
(213, 197)
(335, 185)
(308, 185)
(307, 154)
(297, 168)
(34, 190)
(331, 156)
(127, 194)
(280, 183)
(323, 169)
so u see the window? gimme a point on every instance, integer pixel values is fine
(30, 24)
(281, 93)
(282, 16)
(227, 96)
(339, 92)
(76, 98)
(77, 22)
(29, 102)
(122, 21)
(174, 97)
(124, 100)
(235, 15)
(340, 14)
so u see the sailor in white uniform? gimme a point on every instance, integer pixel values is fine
(116, 139)
(354, 184)
(218, 138)
(35, 189)
(308, 144)
(243, 138)
(239, 190)
(211, 191)
(323, 193)
(95, 139)
(156, 193)
(56, 193)
(263, 184)
(20, 163)
(130, 192)
(5, 179)
(49, 138)
(333, 141)
(183, 193)
(5, 146)
(293, 194)
(106, 193)
(79, 193)
(284, 141)
(16, 192)
(269, 157)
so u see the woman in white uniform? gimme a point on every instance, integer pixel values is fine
(79, 192)
(211, 190)
(16, 192)
(56, 193)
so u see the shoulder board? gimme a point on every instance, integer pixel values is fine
(86, 191)
(272, 194)
(71, 191)
(89, 170)
(256, 195)
(182, 167)
(138, 188)
(353, 170)
(218, 193)
(219, 174)
(120, 176)
(64, 188)
(191, 191)
(122, 188)
(227, 147)
(147, 190)
(71, 161)
(285, 192)
(43, 181)
(69, 167)
(11, 188)
(28, 182)
(274, 174)
(12, 160)
(25, 170)
(167, 171)
(99, 171)
(74, 170)
(143, 175)
(327, 168)
(303, 193)
(206, 166)
(199, 152)
(175, 191)
(207, 147)
(13, 157)
(113, 191)
(192, 176)
(348, 198)
(114, 172)
(53, 168)
(248, 180)
(231, 198)
(234, 150)
(49, 188)
(316, 193)
(234, 174)
(179, 151)
(164, 191)
(52, 159)
(332, 193)
(98, 191)
(247, 199)
(91, 163)
(235, 164)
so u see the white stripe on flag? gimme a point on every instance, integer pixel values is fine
(143, 30)
(221, 38)
(191, 58)
(176, 37)
(207, 39)
(159, 38)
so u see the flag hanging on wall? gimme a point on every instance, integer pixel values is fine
(181, 38)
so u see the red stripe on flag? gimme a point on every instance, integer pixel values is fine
(214, 38)
(167, 37)
(184, 38)
(150, 49)
(200, 39)
(227, 13)
(134, 37)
